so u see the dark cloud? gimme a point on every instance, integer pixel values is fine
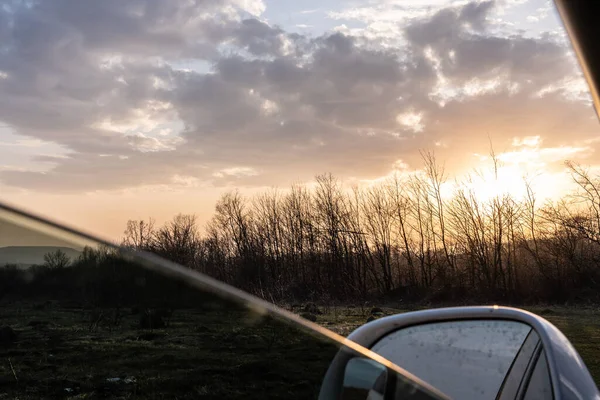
(475, 14)
(259, 38)
(144, 27)
(102, 78)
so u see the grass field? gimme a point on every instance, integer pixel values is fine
(208, 352)
(214, 352)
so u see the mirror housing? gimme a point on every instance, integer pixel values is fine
(569, 377)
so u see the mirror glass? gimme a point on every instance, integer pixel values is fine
(364, 379)
(79, 319)
(463, 359)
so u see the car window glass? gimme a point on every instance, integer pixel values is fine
(517, 370)
(540, 387)
(83, 320)
(463, 359)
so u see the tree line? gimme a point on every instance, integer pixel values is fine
(400, 239)
(99, 278)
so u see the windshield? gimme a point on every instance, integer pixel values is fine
(82, 319)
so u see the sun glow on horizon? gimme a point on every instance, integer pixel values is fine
(489, 184)
(546, 182)
(510, 173)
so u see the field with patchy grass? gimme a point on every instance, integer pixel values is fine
(217, 351)
(62, 351)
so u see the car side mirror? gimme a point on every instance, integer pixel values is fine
(367, 379)
(475, 352)
(356, 376)
(364, 379)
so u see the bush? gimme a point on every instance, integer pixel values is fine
(150, 319)
(312, 308)
(309, 316)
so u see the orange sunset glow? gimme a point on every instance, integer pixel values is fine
(101, 124)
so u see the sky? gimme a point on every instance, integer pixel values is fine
(114, 110)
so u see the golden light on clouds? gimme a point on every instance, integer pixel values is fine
(151, 122)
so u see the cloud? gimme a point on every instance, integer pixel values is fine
(312, 11)
(104, 81)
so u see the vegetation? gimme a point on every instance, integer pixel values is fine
(56, 259)
(105, 327)
(401, 239)
(213, 352)
(210, 351)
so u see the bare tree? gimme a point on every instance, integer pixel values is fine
(586, 202)
(56, 259)
(299, 233)
(139, 234)
(436, 177)
(269, 237)
(404, 234)
(177, 240)
(233, 222)
(379, 217)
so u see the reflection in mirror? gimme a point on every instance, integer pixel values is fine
(463, 359)
(364, 379)
(82, 320)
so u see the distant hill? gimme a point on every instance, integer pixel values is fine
(25, 256)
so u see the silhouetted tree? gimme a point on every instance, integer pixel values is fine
(56, 259)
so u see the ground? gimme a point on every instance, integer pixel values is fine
(210, 352)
